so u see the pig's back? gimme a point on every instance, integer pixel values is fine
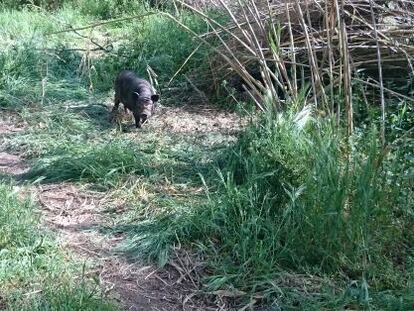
(128, 82)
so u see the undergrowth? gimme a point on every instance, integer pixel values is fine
(300, 199)
(293, 215)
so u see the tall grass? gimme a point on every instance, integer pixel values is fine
(296, 200)
(158, 44)
(38, 65)
(33, 65)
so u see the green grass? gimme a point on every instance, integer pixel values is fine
(30, 53)
(28, 56)
(296, 201)
(104, 163)
(292, 215)
(158, 43)
(35, 274)
(68, 138)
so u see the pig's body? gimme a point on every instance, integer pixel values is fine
(136, 94)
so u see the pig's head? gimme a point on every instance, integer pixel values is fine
(145, 105)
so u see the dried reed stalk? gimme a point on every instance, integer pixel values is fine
(327, 41)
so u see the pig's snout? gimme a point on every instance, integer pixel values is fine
(146, 112)
(144, 117)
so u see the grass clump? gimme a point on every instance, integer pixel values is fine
(34, 273)
(299, 199)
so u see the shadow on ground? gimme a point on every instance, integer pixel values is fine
(168, 156)
(97, 113)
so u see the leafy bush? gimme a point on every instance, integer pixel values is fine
(106, 9)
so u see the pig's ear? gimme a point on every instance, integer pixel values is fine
(155, 98)
(135, 94)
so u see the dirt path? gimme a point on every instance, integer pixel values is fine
(75, 214)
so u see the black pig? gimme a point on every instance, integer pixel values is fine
(137, 95)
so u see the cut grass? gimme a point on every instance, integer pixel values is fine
(103, 164)
(67, 138)
(35, 274)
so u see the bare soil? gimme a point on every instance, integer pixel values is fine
(11, 164)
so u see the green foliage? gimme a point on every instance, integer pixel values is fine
(98, 8)
(297, 198)
(106, 9)
(157, 42)
(16, 4)
(34, 273)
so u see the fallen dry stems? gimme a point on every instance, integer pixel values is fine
(328, 41)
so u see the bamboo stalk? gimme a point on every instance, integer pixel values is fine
(293, 54)
(347, 76)
(314, 71)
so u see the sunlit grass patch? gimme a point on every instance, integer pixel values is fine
(35, 274)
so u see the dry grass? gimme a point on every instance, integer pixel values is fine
(327, 44)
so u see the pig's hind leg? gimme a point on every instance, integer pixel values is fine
(117, 101)
(114, 111)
